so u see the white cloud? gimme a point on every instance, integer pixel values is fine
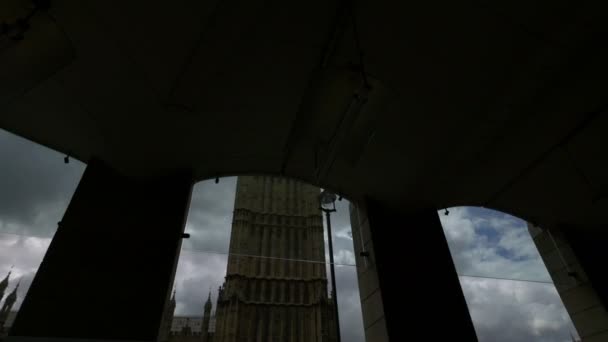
(344, 257)
(507, 311)
(492, 244)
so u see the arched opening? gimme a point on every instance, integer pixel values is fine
(258, 252)
(492, 252)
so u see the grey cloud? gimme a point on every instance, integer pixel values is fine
(35, 189)
(197, 274)
(35, 186)
(24, 252)
(200, 266)
(210, 216)
(349, 304)
(519, 311)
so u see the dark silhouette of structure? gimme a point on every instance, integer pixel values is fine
(7, 306)
(186, 328)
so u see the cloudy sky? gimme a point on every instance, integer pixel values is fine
(36, 186)
(487, 244)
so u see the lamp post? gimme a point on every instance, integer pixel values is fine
(327, 201)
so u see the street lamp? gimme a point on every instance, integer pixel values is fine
(327, 204)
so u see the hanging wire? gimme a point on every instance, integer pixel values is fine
(265, 257)
(29, 235)
(507, 279)
(190, 250)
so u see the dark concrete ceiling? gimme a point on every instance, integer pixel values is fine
(492, 103)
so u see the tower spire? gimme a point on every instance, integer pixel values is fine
(8, 304)
(208, 303)
(4, 283)
(206, 318)
(14, 292)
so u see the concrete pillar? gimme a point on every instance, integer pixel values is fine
(405, 270)
(575, 258)
(109, 269)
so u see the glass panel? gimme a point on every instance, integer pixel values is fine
(509, 292)
(491, 244)
(36, 186)
(210, 216)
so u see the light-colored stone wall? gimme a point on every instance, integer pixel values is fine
(580, 299)
(369, 287)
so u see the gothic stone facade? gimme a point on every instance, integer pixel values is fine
(276, 281)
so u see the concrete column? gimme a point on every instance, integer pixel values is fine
(405, 270)
(575, 258)
(109, 270)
